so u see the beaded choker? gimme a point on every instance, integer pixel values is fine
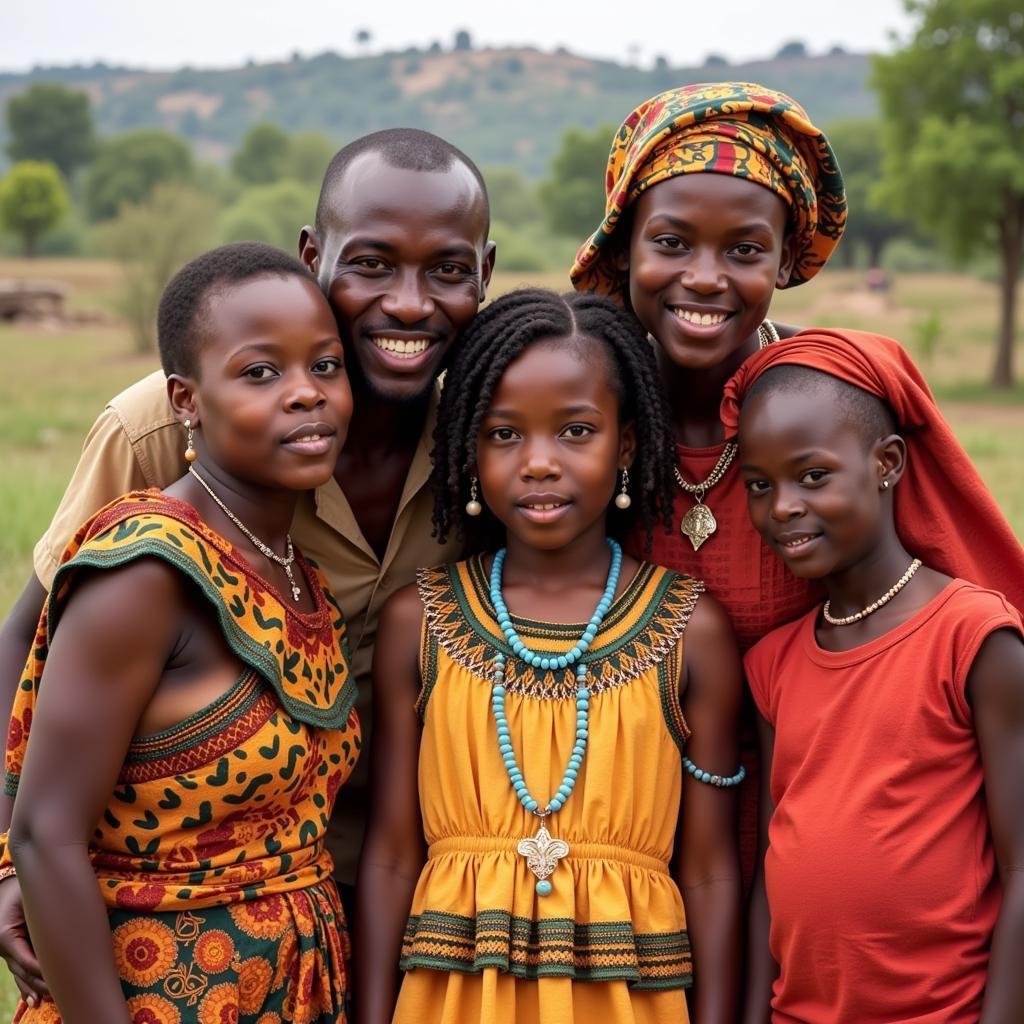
(542, 852)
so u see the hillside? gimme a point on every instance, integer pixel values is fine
(504, 106)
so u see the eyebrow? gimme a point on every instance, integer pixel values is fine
(271, 347)
(685, 225)
(565, 410)
(463, 251)
(813, 453)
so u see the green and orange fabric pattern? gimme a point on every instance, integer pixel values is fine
(736, 128)
(210, 854)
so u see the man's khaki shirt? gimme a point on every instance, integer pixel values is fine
(137, 443)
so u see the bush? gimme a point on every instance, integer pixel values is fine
(270, 213)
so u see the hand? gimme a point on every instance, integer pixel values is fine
(15, 946)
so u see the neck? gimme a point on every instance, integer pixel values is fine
(695, 396)
(854, 588)
(267, 513)
(380, 425)
(582, 563)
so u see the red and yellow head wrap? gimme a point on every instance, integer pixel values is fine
(734, 128)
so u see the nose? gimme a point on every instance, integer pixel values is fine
(407, 298)
(305, 393)
(703, 273)
(786, 503)
(539, 461)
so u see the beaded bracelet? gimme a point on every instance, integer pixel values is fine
(7, 872)
(722, 781)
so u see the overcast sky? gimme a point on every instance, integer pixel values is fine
(224, 33)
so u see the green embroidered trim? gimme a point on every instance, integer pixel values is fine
(458, 630)
(428, 666)
(258, 655)
(553, 947)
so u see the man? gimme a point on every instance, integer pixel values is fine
(400, 247)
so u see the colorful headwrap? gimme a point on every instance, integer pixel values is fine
(944, 512)
(734, 128)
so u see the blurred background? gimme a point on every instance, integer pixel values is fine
(134, 136)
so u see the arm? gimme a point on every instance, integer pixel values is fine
(393, 851)
(709, 872)
(995, 688)
(97, 681)
(761, 968)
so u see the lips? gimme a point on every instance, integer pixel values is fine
(700, 316)
(313, 438)
(795, 542)
(543, 508)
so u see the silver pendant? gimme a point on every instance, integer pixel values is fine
(542, 854)
(698, 524)
(296, 593)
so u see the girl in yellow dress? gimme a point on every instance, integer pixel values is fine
(544, 708)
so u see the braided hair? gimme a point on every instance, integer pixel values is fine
(499, 335)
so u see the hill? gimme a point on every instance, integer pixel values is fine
(504, 106)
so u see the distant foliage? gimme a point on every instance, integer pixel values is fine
(271, 213)
(307, 158)
(573, 196)
(463, 41)
(262, 156)
(128, 168)
(791, 50)
(51, 123)
(32, 201)
(151, 240)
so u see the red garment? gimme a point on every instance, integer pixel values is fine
(739, 569)
(945, 514)
(880, 869)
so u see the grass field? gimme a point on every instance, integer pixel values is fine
(56, 381)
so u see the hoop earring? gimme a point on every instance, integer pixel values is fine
(473, 507)
(622, 499)
(190, 452)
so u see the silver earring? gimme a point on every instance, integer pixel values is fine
(190, 452)
(473, 507)
(622, 499)
(885, 485)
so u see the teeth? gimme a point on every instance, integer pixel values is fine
(700, 319)
(796, 543)
(402, 347)
(308, 437)
(545, 507)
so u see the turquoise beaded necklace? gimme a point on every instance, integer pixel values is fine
(543, 852)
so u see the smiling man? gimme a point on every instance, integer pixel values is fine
(400, 247)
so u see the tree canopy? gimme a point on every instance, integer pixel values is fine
(573, 196)
(50, 123)
(128, 167)
(263, 155)
(32, 200)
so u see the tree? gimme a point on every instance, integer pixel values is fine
(513, 198)
(50, 123)
(792, 50)
(151, 240)
(262, 156)
(715, 60)
(953, 105)
(858, 147)
(363, 37)
(463, 40)
(309, 153)
(272, 213)
(128, 167)
(32, 200)
(573, 196)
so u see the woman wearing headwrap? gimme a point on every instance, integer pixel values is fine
(717, 195)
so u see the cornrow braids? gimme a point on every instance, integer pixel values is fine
(499, 335)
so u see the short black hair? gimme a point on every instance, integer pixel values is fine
(181, 309)
(408, 149)
(868, 414)
(499, 334)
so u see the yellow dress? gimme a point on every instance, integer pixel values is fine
(609, 943)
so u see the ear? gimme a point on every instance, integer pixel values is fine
(309, 249)
(788, 261)
(627, 445)
(487, 267)
(181, 393)
(890, 453)
(620, 258)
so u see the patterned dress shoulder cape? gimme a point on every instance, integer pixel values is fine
(609, 943)
(210, 854)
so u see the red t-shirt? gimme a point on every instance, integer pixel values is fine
(880, 870)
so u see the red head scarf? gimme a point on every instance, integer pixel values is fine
(944, 512)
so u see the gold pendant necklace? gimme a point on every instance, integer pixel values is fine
(700, 523)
